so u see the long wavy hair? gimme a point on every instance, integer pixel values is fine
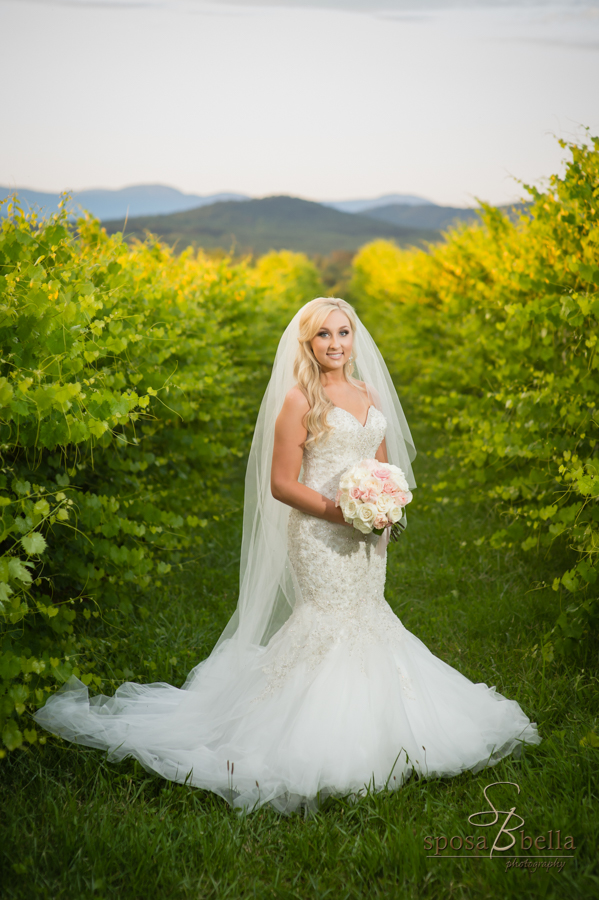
(306, 369)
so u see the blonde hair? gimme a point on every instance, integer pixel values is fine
(306, 369)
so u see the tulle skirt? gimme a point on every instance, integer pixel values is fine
(303, 718)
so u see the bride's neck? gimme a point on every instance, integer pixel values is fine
(337, 376)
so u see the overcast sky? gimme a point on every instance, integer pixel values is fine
(324, 99)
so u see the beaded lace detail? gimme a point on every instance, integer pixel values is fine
(341, 572)
(347, 443)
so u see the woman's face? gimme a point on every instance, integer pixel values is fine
(332, 343)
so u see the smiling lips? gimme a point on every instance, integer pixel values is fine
(335, 355)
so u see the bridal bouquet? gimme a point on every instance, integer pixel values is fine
(373, 495)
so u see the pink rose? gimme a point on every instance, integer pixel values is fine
(383, 474)
(380, 521)
(389, 487)
(403, 497)
(355, 493)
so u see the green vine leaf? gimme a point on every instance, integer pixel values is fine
(34, 543)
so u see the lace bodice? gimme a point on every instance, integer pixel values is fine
(348, 443)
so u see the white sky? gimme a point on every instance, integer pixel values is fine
(324, 99)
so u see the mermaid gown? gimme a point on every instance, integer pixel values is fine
(342, 698)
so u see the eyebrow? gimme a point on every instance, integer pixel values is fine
(324, 328)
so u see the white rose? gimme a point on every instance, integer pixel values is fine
(384, 503)
(395, 513)
(349, 507)
(367, 513)
(346, 481)
(373, 484)
(362, 526)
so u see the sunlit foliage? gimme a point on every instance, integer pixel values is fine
(129, 383)
(493, 336)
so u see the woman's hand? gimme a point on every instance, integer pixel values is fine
(339, 520)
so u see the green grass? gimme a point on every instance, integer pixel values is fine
(75, 826)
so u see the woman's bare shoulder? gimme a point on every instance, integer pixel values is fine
(371, 392)
(364, 386)
(296, 401)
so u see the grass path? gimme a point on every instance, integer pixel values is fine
(74, 826)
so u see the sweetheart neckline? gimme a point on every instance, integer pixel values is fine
(355, 417)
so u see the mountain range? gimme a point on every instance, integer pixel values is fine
(137, 200)
(158, 199)
(241, 224)
(272, 223)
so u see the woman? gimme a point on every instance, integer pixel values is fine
(315, 687)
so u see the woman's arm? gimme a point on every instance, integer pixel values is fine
(375, 400)
(290, 433)
(381, 453)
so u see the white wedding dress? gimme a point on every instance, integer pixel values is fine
(343, 696)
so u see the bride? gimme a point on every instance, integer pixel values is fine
(315, 687)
